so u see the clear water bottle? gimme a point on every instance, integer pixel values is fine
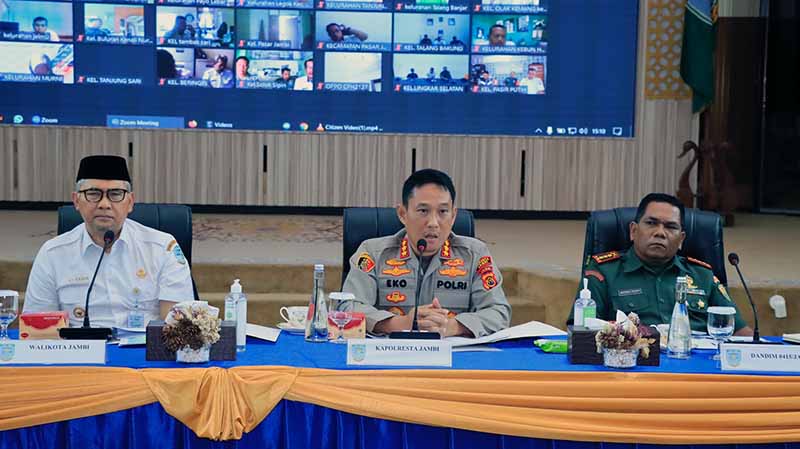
(317, 318)
(679, 343)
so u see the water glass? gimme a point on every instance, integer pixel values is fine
(720, 325)
(340, 311)
(9, 304)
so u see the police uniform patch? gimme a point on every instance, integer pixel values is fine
(395, 297)
(489, 281)
(452, 272)
(365, 263)
(446, 253)
(606, 257)
(395, 262)
(141, 274)
(397, 311)
(454, 263)
(178, 253)
(595, 274)
(698, 262)
(396, 271)
(79, 312)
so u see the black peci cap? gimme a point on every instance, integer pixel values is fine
(113, 168)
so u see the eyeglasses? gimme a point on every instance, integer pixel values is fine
(96, 195)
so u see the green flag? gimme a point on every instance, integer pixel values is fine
(697, 52)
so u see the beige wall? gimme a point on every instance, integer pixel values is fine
(225, 167)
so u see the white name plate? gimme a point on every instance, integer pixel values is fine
(739, 357)
(52, 352)
(396, 352)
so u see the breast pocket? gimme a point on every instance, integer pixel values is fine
(143, 294)
(631, 300)
(394, 291)
(697, 303)
(72, 299)
(453, 294)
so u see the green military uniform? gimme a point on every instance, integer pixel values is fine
(620, 281)
(383, 278)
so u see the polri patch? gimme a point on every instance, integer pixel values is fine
(365, 263)
(489, 281)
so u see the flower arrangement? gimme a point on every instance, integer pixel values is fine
(626, 334)
(190, 324)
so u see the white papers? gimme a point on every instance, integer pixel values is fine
(792, 338)
(263, 332)
(527, 330)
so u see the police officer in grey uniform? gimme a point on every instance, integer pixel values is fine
(460, 292)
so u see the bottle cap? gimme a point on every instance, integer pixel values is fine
(319, 267)
(342, 296)
(236, 287)
(586, 293)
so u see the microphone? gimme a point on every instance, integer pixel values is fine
(415, 333)
(86, 332)
(733, 258)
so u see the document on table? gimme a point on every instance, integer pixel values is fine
(527, 330)
(263, 332)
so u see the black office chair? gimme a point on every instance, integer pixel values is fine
(362, 223)
(608, 230)
(174, 219)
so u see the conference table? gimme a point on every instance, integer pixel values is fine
(294, 394)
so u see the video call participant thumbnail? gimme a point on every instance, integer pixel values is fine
(305, 81)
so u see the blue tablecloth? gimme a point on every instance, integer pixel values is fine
(298, 425)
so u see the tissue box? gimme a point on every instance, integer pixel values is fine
(582, 349)
(42, 325)
(356, 328)
(224, 349)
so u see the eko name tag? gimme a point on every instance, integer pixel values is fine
(391, 352)
(52, 352)
(749, 357)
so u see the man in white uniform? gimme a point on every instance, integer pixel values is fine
(142, 274)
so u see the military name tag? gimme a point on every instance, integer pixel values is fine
(52, 352)
(765, 357)
(398, 352)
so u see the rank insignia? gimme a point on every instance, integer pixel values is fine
(445, 254)
(396, 297)
(606, 257)
(484, 265)
(365, 263)
(397, 311)
(454, 263)
(140, 273)
(596, 274)
(723, 291)
(396, 271)
(701, 304)
(489, 281)
(404, 254)
(395, 262)
(452, 272)
(79, 312)
(698, 262)
(690, 283)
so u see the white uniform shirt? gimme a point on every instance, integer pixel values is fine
(144, 266)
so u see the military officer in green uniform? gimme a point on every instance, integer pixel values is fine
(460, 291)
(642, 279)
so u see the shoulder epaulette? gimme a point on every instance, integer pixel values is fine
(698, 262)
(606, 257)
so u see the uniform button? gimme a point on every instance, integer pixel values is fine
(660, 300)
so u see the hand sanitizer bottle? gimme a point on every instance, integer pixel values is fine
(236, 310)
(585, 307)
